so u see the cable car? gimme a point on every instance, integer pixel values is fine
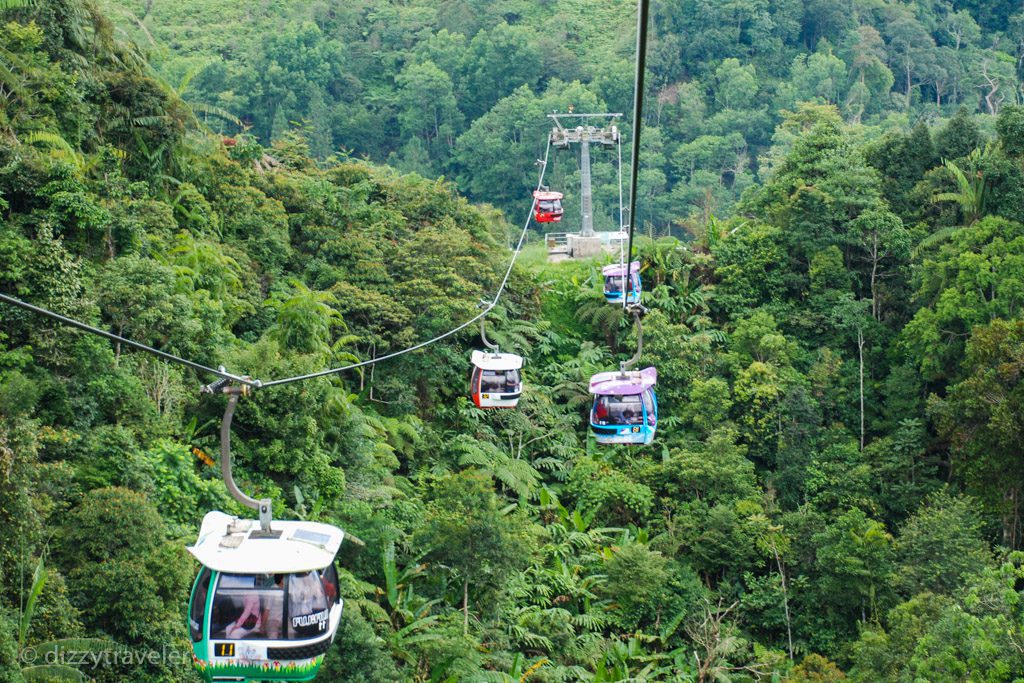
(625, 408)
(547, 206)
(265, 606)
(614, 275)
(496, 381)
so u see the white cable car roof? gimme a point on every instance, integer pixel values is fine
(226, 544)
(541, 195)
(486, 360)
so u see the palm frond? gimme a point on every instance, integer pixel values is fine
(933, 240)
(149, 121)
(39, 577)
(212, 110)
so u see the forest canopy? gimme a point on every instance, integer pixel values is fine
(833, 259)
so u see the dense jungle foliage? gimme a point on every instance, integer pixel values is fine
(835, 491)
(461, 87)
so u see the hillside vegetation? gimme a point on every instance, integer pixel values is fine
(461, 87)
(836, 487)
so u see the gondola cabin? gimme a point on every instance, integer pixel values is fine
(618, 285)
(625, 408)
(263, 608)
(496, 381)
(547, 206)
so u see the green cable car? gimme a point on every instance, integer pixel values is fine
(265, 606)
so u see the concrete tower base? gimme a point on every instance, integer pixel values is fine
(584, 247)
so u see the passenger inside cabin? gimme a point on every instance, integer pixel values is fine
(497, 381)
(549, 206)
(249, 621)
(492, 381)
(273, 614)
(249, 606)
(620, 410)
(308, 611)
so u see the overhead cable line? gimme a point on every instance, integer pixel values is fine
(480, 316)
(489, 305)
(127, 342)
(642, 11)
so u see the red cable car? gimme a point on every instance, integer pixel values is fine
(547, 206)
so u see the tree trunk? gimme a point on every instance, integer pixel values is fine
(1011, 518)
(909, 86)
(785, 598)
(874, 278)
(465, 606)
(860, 350)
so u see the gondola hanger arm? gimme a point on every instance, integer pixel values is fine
(264, 506)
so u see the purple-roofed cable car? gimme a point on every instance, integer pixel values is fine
(625, 408)
(614, 279)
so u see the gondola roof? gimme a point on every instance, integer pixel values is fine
(618, 270)
(618, 383)
(486, 360)
(229, 544)
(544, 195)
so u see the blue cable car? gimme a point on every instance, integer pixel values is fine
(617, 285)
(625, 408)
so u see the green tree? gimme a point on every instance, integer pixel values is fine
(959, 137)
(885, 246)
(126, 579)
(903, 160)
(467, 532)
(736, 85)
(427, 106)
(972, 280)
(940, 545)
(305, 319)
(1010, 127)
(818, 77)
(972, 187)
(978, 418)
(854, 558)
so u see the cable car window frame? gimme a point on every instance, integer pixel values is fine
(199, 598)
(329, 577)
(650, 411)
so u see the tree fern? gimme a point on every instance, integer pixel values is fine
(517, 475)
